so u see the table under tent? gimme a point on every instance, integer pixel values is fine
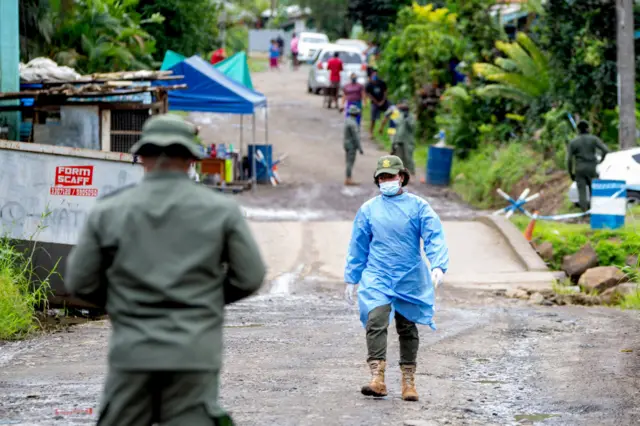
(210, 91)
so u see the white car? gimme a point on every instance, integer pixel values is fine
(361, 45)
(353, 63)
(619, 165)
(309, 44)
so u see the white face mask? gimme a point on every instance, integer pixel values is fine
(390, 188)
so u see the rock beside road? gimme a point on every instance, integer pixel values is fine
(601, 278)
(616, 294)
(576, 265)
(545, 250)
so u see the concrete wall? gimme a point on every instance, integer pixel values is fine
(79, 127)
(28, 172)
(260, 40)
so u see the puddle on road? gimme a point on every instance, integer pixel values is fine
(533, 418)
(490, 382)
(244, 325)
(281, 214)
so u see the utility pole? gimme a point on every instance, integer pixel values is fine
(626, 74)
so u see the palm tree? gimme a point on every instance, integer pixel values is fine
(524, 75)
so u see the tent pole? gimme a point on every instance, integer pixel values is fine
(266, 125)
(241, 142)
(255, 174)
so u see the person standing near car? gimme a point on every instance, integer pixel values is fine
(377, 92)
(582, 154)
(335, 67)
(294, 51)
(274, 54)
(164, 257)
(353, 94)
(280, 43)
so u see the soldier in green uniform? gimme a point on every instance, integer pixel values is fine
(582, 154)
(351, 142)
(404, 138)
(164, 257)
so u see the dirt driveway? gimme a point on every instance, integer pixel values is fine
(295, 354)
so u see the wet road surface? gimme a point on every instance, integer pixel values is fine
(295, 354)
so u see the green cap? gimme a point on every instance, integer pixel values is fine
(354, 110)
(163, 131)
(389, 164)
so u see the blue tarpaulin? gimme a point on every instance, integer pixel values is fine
(210, 91)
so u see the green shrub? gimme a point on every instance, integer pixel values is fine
(612, 246)
(19, 296)
(490, 167)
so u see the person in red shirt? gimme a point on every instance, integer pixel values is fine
(335, 67)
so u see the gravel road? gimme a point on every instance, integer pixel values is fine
(295, 354)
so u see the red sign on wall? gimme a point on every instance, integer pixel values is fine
(74, 181)
(74, 176)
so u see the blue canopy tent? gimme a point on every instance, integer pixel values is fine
(211, 91)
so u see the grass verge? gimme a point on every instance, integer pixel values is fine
(614, 247)
(19, 296)
(257, 64)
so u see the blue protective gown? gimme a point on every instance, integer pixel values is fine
(385, 257)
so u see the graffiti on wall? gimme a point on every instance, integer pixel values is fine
(48, 198)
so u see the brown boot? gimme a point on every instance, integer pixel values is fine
(377, 387)
(409, 392)
(350, 182)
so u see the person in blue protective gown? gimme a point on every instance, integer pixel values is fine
(386, 269)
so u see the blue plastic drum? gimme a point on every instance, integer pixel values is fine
(439, 165)
(262, 173)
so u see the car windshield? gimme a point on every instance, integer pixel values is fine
(314, 40)
(636, 157)
(345, 57)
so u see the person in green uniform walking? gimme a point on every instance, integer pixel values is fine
(581, 154)
(351, 142)
(163, 258)
(404, 138)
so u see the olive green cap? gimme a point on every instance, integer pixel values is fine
(389, 164)
(163, 131)
(354, 110)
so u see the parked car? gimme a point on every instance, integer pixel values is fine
(309, 44)
(619, 165)
(362, 46)
(352, 59)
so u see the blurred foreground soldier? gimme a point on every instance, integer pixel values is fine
(164, 257)
(351, 142)
(582, 154)
(385, 260)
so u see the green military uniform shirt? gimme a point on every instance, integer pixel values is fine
(583, 150)
(164, 257)
(351, 135)
(405, 129)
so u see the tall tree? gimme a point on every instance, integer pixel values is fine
(330, 16)
(376, 15)
(626, 74)
(191, 26)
